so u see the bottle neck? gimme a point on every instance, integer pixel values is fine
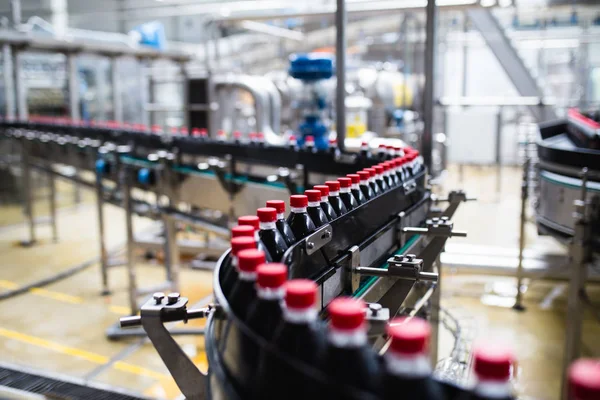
(408, 365)
(280, 216)
(314, 204)
(270, 293)
(348, 338)
(298, 210)
(265, 226)
(324, 199)
(364, 183)
(344, 190)
(234, 261)
(493, 389)
(299, 315)
(334, 194)
(355, 186)
(246, 276)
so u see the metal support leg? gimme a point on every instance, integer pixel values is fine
(340, 60)
(27, 195)
(428, 96)
(499, 152)
(9, 89)
(103, 254)
(126, 191)
(52, 187)
(73, 88)
(116, 91)
(171, 253)
(434, 316)
(524, 196)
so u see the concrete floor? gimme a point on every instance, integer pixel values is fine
(61, 327)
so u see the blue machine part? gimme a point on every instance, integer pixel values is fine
(312, 126)
(101, 166)
(151, 34)
(311, 66)
(144, 176)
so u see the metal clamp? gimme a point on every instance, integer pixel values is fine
(318, 239)
(440, 227)
(378, 318)
(407, 267)
(409, 187)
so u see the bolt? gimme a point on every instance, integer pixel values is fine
(326, 234)
(173, 298)
(158, 296)
(435, 220)
(411, 257)
(445, 218)
(310, 245)
(399, 257)
(375, 308)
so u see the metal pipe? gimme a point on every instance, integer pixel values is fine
(132, 284)
(340, 72)
(524, 194)
(52, 185)
(9, 88)
(20, 88)
(100, 215)
(27, 195)
(15, 9)
(116, 91)
(428, 96)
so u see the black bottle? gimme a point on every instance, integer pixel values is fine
(281, 223)
(348, 360)
(269, 235)
(492, 366)
(325, 204)
(298, 220)
(314, 210)
(383, 186)
(397, 170)
(403, 172)
(253, 221)
(364, 186)
(382, 152)
(346, 193)
(355, 189)
(243, 292)
(387, 174)
(265, 315)
(230, 273)
(407, 367)
(334, 198)
(374, 186)
(300, 338)
(365, 150)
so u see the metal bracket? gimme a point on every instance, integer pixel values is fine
(437, 227)
(318, 239)
(155, 312)
(409, 187)
(455, 197)
(378, 318)
(407, 267)
(352, 278)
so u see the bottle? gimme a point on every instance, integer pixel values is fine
(397, 171)
(265, 315)
(348, 360)
(334, 198)
(584, 380)
(253, 221)
(382, 152)
(374, 186)
(298, 220)
(364, 186)
(243, 292)
(492, 367)
(269, 235)
(230, 275)
(281, 223)
(315, 212)
(325, 204)
(355, 189)
(309, 143)
(407, 367)
(387, 174)
(365, 149)
(242, 230)
(346, 193)
(383, 186)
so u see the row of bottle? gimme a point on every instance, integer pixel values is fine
(285, 314)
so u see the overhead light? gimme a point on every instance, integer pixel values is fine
(505, 3)
(487, 3)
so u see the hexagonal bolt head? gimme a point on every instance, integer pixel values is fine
(158, 297)
(173, 298)
(375, 308)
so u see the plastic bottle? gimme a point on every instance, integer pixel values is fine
(382, 153)
(334, 198)
(269, 235)
(364, 185)
(374, 186)
(298, 220)
(253, 221)
(281, 223)
(265, 315)
(381, 183)
(346, 193)
(584, 380)
(230, 274)
(325, 204)
(492, 367)
(349, 361)
(391, 178)
(315, 212)
(242, 230)
(355, 189)
(407, 367)
(243, 292)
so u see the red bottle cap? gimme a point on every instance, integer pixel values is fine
(364, 175)
(250, 259)
(174, 130)
(272, 275)
(242, 230)
(267, 214)
(221, 132)
(409, 337)
(242, 243)
(249, 220)
(333, 142)
(309, 139)
(334, 186)
(292, 139)
(386, 165)
(345, 182)
(252, 135)
(278, 205)
(313, 195)
(378, 169)
(195, 131)
(371, 171)
(298, 201)
(237, 134)
(346, 313)
(584, 379)
(382, 146)
(324, 189)
(184, 131)
(364, 144)
(493, 362)
(203, 132)
(300, 294)
(260, 136)
(354, 177)
(156, 129)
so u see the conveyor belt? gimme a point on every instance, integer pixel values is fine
(59, 388)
